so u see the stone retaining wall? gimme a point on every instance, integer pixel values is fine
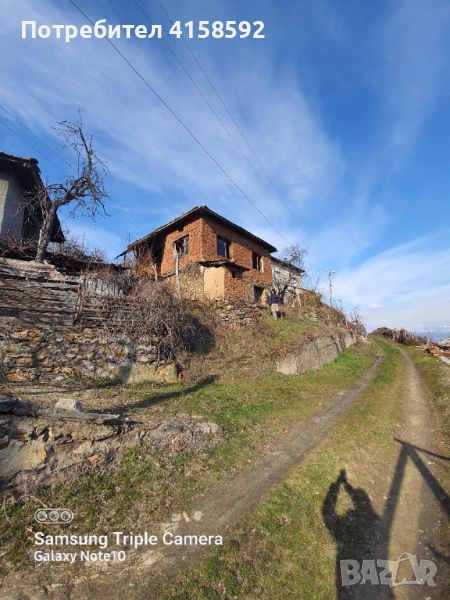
(43, 354)
(237, 313)
(317, 352)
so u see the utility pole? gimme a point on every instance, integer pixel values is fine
(330, 285)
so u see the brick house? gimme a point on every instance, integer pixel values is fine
(214, 257)
(19, 176)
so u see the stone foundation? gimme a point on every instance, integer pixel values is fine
(46, 355)
(236, 313)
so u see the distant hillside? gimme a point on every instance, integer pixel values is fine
(435, 335)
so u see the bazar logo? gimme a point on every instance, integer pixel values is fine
(385, 572)
(53, 515)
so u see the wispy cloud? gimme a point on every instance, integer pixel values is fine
(338, 200)
(143, 143)
(406, 285)
(95, 237)
(412, 45)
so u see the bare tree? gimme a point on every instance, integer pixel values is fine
(293, 256)
(356, 320)
(84, 190)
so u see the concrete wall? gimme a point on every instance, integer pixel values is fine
(11, 214)
(283, 275)
(214, 282)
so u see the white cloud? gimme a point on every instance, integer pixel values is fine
(412, 45)
(407, 285)
(144, 145)
(95, 237)
(147, 149)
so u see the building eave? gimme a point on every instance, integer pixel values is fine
(200, 211)
(28, 170)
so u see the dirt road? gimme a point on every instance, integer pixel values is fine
(417, 508)
(213, 513)
(414, 512)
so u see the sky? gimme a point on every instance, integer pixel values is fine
(334, 129)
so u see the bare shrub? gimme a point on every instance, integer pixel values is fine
(152, 311)
(74, 247)
(356, 320)
(402, 336)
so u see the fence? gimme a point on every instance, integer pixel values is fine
(38, 294)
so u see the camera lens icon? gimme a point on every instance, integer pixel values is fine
(53, 516)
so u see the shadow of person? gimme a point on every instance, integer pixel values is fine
(357, 535)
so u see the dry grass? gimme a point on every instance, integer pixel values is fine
(284, 549)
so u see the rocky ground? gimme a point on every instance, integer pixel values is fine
(44, 443)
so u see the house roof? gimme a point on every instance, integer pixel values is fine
(200, 211)
(287, 264)
(27, 170)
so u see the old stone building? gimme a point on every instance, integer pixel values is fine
(213, 257)
(18, 177)
(287, 279)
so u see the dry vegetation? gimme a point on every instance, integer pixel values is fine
(151, 310)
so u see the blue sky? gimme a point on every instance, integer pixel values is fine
(346, 105)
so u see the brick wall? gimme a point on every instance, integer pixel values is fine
(203, 234)
(194, 230)
(241, 249)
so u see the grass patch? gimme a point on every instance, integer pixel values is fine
(148, 485)
(437, 377)
(285, 549)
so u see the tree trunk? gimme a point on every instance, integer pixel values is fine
(45, 233)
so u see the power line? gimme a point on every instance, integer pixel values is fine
(28, 143)
(181, 122)
(211, 107)
(62, 159)
(222, 101)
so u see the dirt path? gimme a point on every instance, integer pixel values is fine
(413, 519)
(213, 513)
(222, 506)
(416, 508)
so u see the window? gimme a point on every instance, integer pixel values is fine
(257, 294)
(257, 262)
(182, 245)
(223, 247)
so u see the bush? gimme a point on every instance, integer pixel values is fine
(150, 310)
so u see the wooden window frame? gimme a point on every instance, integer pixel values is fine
(227, 246)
